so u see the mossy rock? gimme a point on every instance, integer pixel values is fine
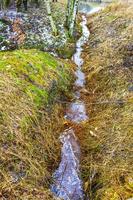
(66, 51)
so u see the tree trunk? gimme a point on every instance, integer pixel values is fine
(4, 4)
(53, 26)
(72, 8)
(1, 5)
(68, 13)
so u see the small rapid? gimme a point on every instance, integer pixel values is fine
(67, 182)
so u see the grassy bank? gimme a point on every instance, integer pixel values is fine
(107, 166)
(30, 121)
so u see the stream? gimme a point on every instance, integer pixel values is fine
(67, 183)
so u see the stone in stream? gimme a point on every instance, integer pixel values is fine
(67, 184)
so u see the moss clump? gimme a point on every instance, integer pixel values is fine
(30, 121)
(106, 138)
(66, 51)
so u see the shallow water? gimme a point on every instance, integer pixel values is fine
(91, 7)
(80, 81)
(67, 183)
(77, 111)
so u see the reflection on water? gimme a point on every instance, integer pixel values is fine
(77, 111)
(84, 8)
(80, 81)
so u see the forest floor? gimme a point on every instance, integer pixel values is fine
(31, 119)
(32, 29)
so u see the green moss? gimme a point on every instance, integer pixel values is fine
(66, 51)
(34, 70)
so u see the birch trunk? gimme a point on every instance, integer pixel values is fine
(72, 8)
(53, 26)
(68, 12)
(73, 17)
(4, 4)
(1, 5)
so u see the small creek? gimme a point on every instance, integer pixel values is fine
(77, 111)
(67, 182)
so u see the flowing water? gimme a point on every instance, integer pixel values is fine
(67, 183)
(91, 7)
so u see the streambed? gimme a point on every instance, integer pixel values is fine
(67, 181)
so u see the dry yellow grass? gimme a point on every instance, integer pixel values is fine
(29, 130)
(106, 139)
(30, 122)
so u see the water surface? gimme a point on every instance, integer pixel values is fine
(67, 182)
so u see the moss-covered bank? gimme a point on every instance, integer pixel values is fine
(30, 121)
(106, 139)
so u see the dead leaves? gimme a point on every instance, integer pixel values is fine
(19, 35)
